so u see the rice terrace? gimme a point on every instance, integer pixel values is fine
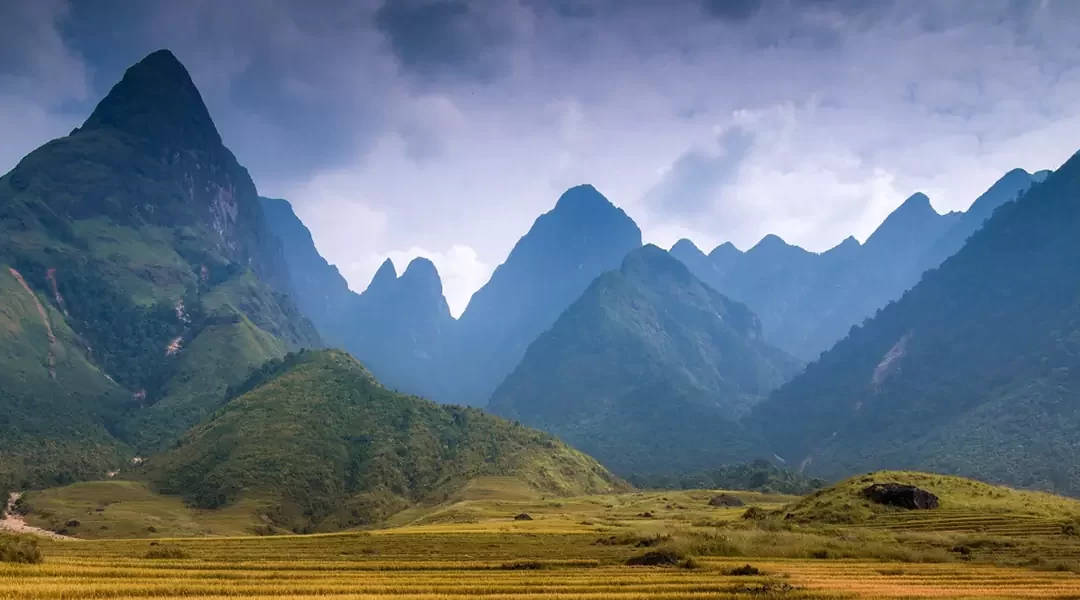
(499, 540)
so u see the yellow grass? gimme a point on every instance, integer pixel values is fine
(573, 549)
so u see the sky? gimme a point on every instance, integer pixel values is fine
(443, 128)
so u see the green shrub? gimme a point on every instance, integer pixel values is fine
(19, 549)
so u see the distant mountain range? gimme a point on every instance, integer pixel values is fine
(152, 304)
(974, 371)
(807, 301)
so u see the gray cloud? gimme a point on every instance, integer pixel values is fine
(442, 128)
(446, 38)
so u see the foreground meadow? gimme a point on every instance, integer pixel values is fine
(578, 548)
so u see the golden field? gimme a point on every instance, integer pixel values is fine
(577, 548)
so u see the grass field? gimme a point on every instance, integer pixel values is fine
(573, 548)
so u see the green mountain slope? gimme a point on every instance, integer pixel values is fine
(973, 372)
(56, 405)
(648, 371)
(139, 233)
(319, 436)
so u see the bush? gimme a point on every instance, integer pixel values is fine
(19, 549)
(165, 552)
(657, 558)
(743, 570)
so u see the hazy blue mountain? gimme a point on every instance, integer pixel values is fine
(321, 293)
(648, 370)
(1009, 187)
(548, 269)
(974, 371)
(808, 301)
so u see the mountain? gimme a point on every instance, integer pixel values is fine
(808, 301)
(548, 269)
(328, 447)
(973, 371)
(648, 371)
(399, 325)
(139, 279)
(321, 293)
(1009, 187)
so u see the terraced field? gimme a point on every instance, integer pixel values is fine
(301, 568)
(963, 519)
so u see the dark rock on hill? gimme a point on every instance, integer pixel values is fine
(901, 496)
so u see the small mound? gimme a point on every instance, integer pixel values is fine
(523, 517)
(849, 502)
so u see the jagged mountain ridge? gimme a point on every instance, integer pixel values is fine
(972, 371)
(397, 327)
(808, 301)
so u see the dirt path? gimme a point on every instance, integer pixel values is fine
(15, 523)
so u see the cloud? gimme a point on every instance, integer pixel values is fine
(421, 126)
(448, 39)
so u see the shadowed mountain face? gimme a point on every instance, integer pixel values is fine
(397, 327)
(809, 301)
(137, 259)
(648, 371)
(973, 371)
(548, 269)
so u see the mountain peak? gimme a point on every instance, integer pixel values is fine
(769, 242)
(916, 202)
(584, 201)
(157, 101)
(685, 245)
(422, 271)
(384, 277)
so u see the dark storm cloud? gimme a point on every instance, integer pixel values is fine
(445, 38)
(732, 10)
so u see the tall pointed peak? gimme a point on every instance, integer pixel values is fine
(156, 101)
(384, 277)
